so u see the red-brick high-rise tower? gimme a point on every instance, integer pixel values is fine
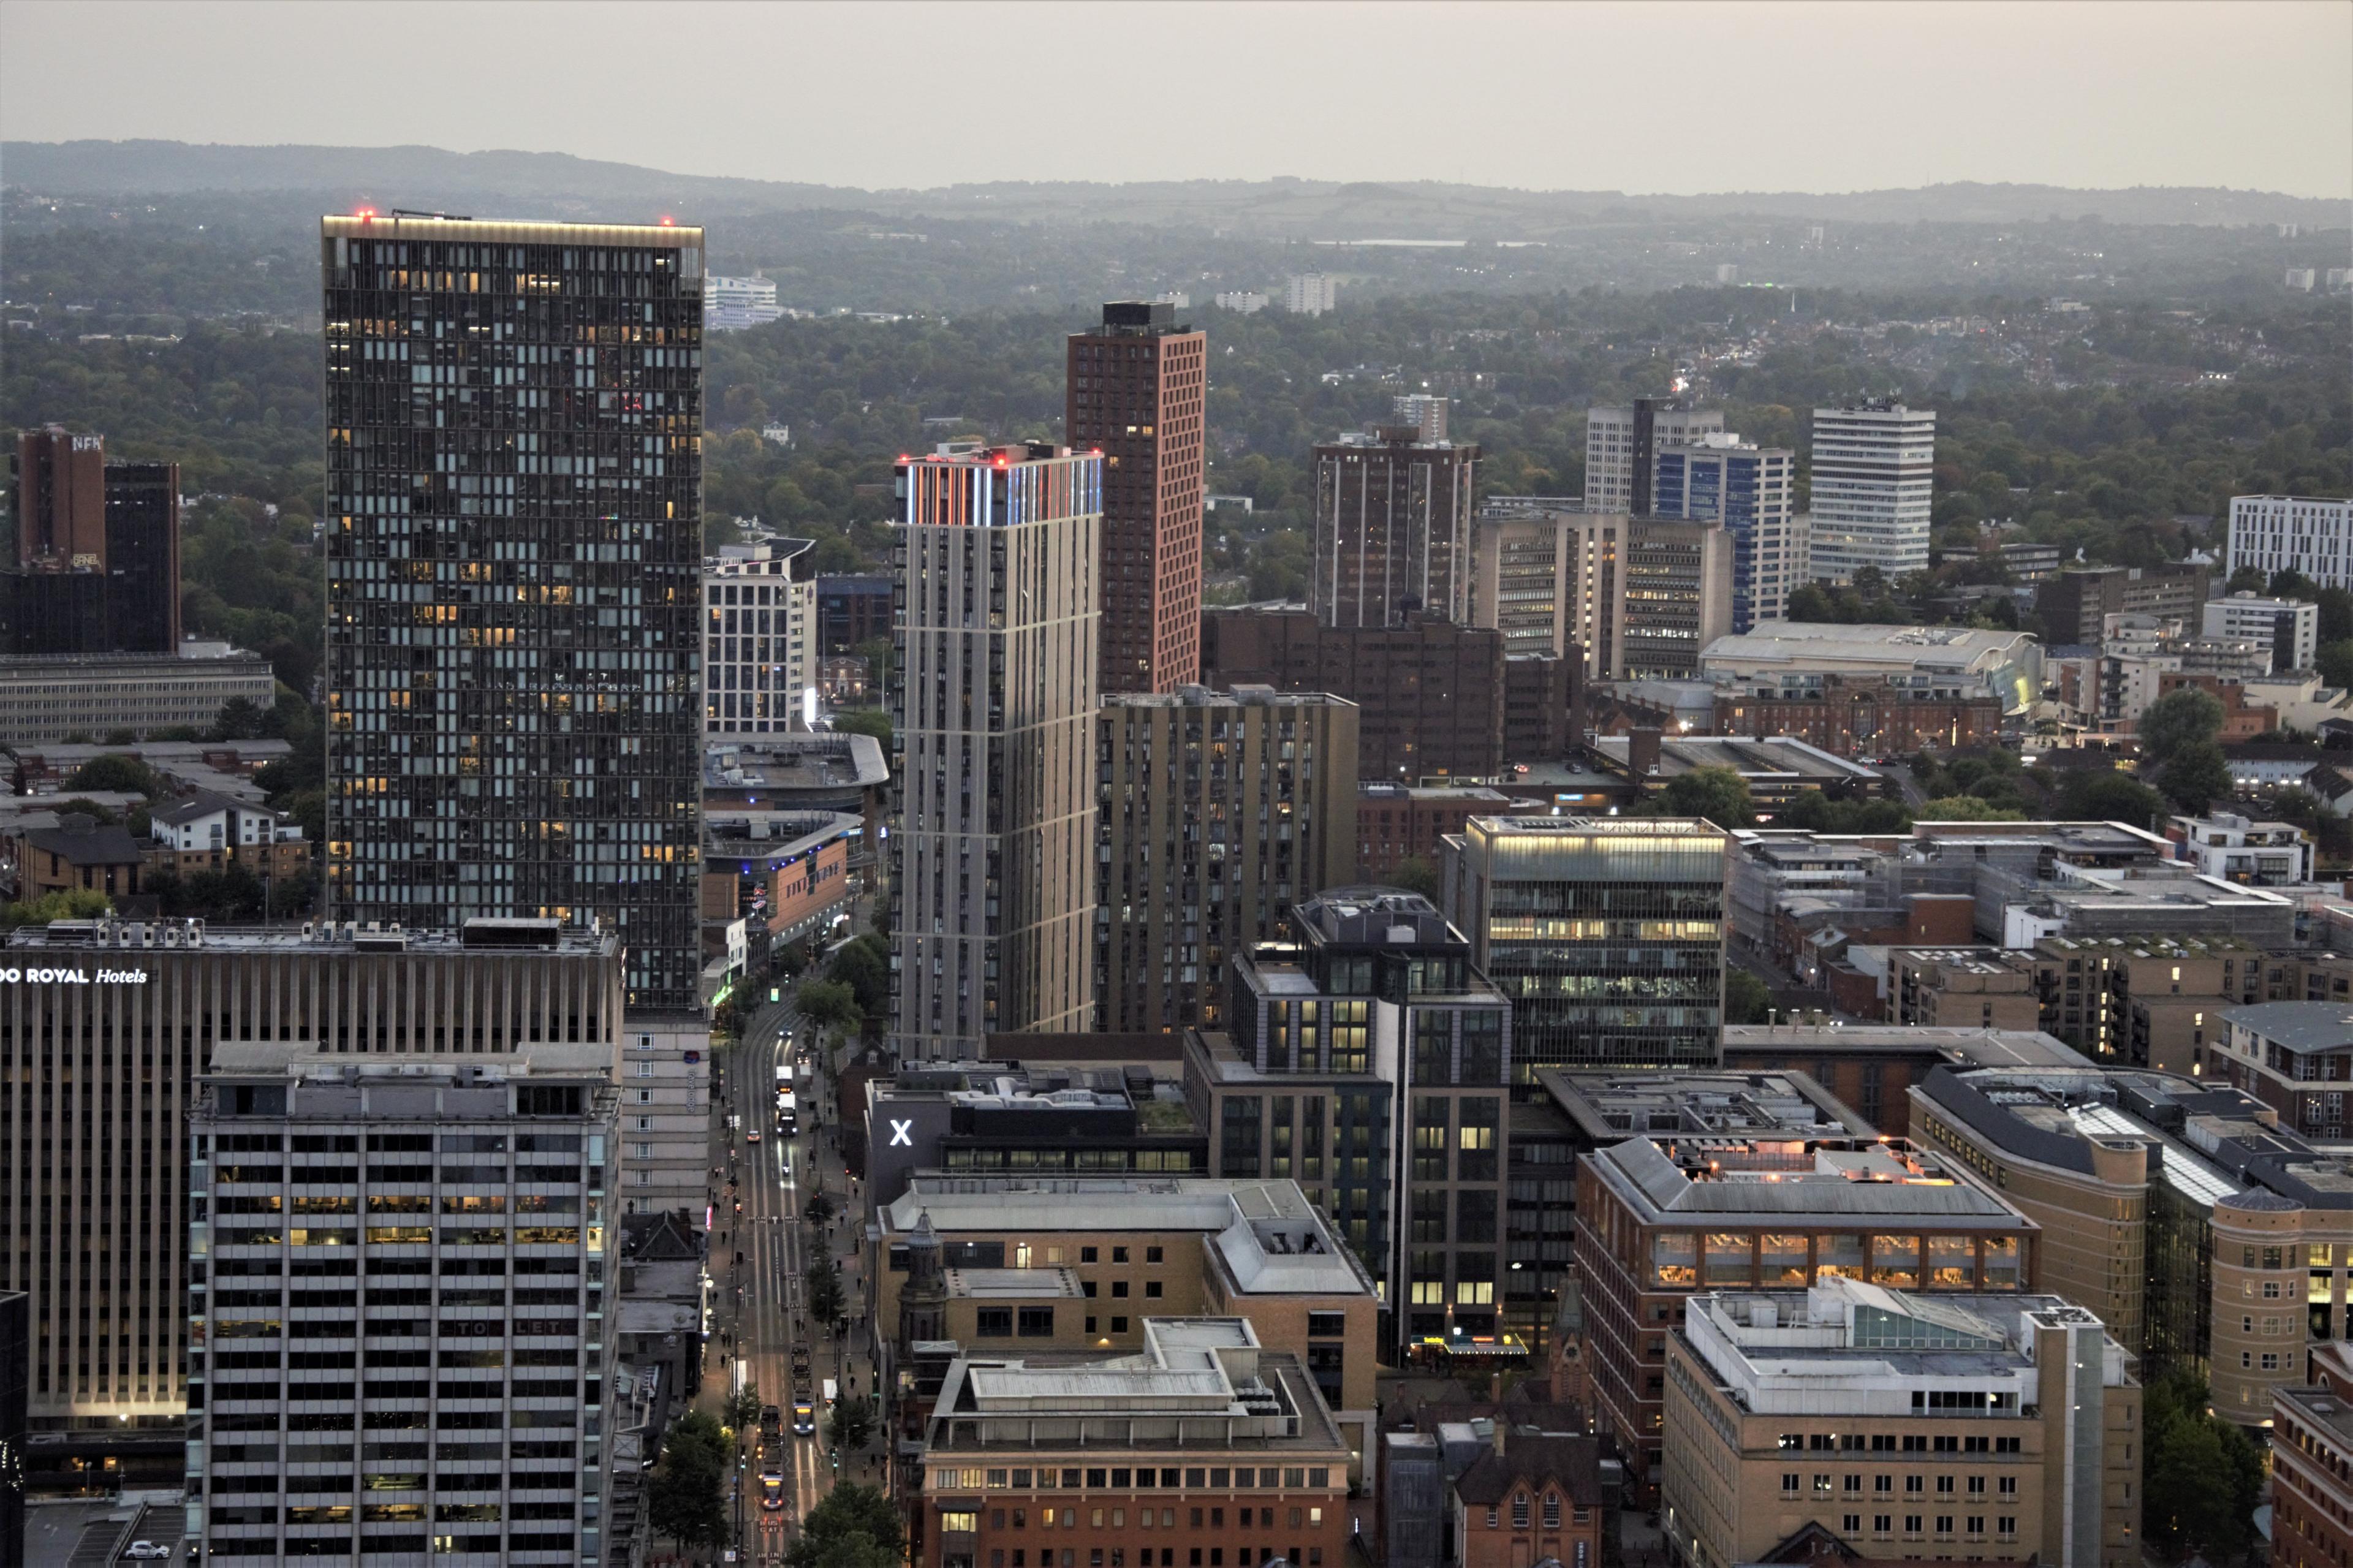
(1136, 392)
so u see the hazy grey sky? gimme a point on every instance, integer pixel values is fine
(1637, 97)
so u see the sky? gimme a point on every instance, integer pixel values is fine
(1644, 98)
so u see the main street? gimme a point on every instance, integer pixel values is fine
(764, 1297)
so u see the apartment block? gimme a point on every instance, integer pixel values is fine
(995, 709)
(2073, 604)
(396, 1304)
(2312, 1466)
(1215, 812)
(1795, 1415)
(1606, 934)
(2240, 850)
(1202, 1422)
(514, 542)
(160, 999)
(1873, 473)
(1135, 388)
(759, 638)
(1659, 1220)
(1392, 529)
(1622, 448)
(1372, 1059)
(2308, 534)
(1873, 1069)
(1957, 988)
(2288, 630)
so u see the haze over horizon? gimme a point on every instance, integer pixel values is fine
(1711, 98)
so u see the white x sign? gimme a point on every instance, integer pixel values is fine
(901, 1133)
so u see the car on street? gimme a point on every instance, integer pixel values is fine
(146, 1552)
(753, 1136)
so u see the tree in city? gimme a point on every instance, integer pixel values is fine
(865, 721)
(744, 1406)
(851, 1426)
(1967, 808)
(727, 1022)
(684, 1495)
(819, 1208)
(1719, 795)
(2097, 794)
(826, 1303)
(2201, 1476)
(1819, 811)
(2177, 735)
(126, 775)
(829, 1005)
(854, 1527)
(67, 904)
(863, 963)
(1746, 999)
(1415, 874)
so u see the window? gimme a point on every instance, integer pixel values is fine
(1851, 1523)
(1943, 1524)
(1976, 1526)
(1883, 1524)
(2006, 1526)
(2009, 1485)
(1495, 1516)
(1152, 1255)
(1151, 1289)
(1822, 1484)
(1552, 1510)
(1520, 1508)
(1788, 1483)
(1119, 1255)
(1911, 1525)
(1036, 1323)
(994, 1322)
(966, 1520)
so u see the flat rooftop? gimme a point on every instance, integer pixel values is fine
(1241, 696)
(1695, 1180)
(1979, 1047)
(1013, 1284)
(820, 760)
(1776, 756)
(491, 937)
(2297, 1026)
(1796, 642)
(1607, 1104)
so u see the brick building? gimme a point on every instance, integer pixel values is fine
(1531, 1497)
(1135, 391)
(1396, 822)
(1392, 531)
(2312, 1466)
(1872, 1071)
(1862, 715)
(1431, 695)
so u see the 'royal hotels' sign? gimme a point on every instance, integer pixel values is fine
(13, 975)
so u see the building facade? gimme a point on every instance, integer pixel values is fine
(852, 610)
(160, 999)
(1607, 933)
(514, 531)
(1215, 812)
(1677, 581)
(2312, 1466)
(97, 567)
(1622, 448)
(1873, 472)
(397, 1305)
(47, 700)
(1862, 715)
(1751, 490)
(1304, 294)
(2288, 630)
(2073, 604)
(759, 638)
(732, 304)
(1392, 531)
(996, 710)
(1794, 1414)
(1136, 388)
(2308, 534)
(1625, 597)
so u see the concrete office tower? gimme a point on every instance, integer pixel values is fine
(398, 1304)
(514, 533)
(1135, 389)
(1780, 1403)
(1423, 411)
(2289, 629)
(1373, 1053)
(1622, 448)
(1873, 480)
(1751, 490)
(1631, 598)
(2309, 534)
(759, 637)
(994, 712)
(1218, 811)
(98, 551)
(158, 999)
(1392, 528)
(1606, 932)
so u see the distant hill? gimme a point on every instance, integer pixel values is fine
(432, 177)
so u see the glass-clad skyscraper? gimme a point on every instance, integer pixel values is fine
(1752, 492)
(514, 482)
(1607, 933)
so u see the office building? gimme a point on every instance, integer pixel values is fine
(1214, 812)
(1392, 528)
(2308, 534)
(98, 551)
(514, 535)
(1872, 1068)
(1135, 388)
(2288, 630)
(732, 304)
(1433, 699)
(2074, 604)
(1873, 472)
(1397, 821)
(852, 610)
(1371, 1056)
(1622, 445)
(1425, 412)
(43, 700)
(1606, 934)
(1309, 294)
(1096, 1257)
(111, 1350)
(1937, 662)
(1628, 598)
(995, 1117)
(2012, 1422)
(759, 638)
(995, 713)
(2312, 1484)
(396, 1308)
(1202, 1415)
(1751, 492)
(1660, 1219)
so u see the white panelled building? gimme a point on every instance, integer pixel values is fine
(2268, 624)
(2294, 533)
(1873, 481)
(732, 304)
(759, 637)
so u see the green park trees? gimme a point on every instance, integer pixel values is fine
(684, 1495)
